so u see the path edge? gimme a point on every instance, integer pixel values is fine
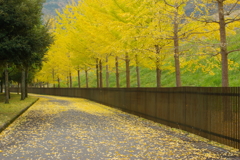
(16, 116)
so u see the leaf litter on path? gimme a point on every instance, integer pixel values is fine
(74, 128)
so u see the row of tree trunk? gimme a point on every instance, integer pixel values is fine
(24, 89)
(99, 73)
(99, 70)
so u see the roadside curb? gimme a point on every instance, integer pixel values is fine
(15, 117)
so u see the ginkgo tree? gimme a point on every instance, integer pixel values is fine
(159, 35)
(117, 15)
(184, 29)
(150, 36)
(85, 42)
(225, 15)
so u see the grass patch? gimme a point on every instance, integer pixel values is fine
(15, 106)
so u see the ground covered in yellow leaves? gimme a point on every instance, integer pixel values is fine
(73, 128)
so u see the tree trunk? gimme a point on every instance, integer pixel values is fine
(53, 76)
(159, 73)
(158, 70)
(223, 39)
(86, 75)
(2, 85)
(18, 86)
(23, 85)
(79, 80)
(6, 85)
(70, 79)
(137, 70)
(59, 85)
(97, 72)
(127, 70)
(227, 114)
(9, 95)
(176, 51)
(67, 82)
(117, 73)
(107, 73)
(100, 74)
(26, 82)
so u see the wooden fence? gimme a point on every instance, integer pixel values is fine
(213, 113)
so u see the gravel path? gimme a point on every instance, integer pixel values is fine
(73, 128)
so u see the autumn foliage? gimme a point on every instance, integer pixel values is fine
(109, 35)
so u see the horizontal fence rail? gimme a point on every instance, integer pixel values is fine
(213, 113)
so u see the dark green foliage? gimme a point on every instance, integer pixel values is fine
(23, 37)
(18, 33)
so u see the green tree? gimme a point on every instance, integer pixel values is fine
(21, 34)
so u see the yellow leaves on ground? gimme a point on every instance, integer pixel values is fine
(77, 104)
(74, 128)
(91, 108)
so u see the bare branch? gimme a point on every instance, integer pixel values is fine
(150, 50)
(186, 35)
(233, 51)
(190, 55)
(174, 6)
(205, 20)
(234, 6)
(168, 4)
(216, 54)
(236, 18)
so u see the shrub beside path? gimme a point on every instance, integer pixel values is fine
(74, 128)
